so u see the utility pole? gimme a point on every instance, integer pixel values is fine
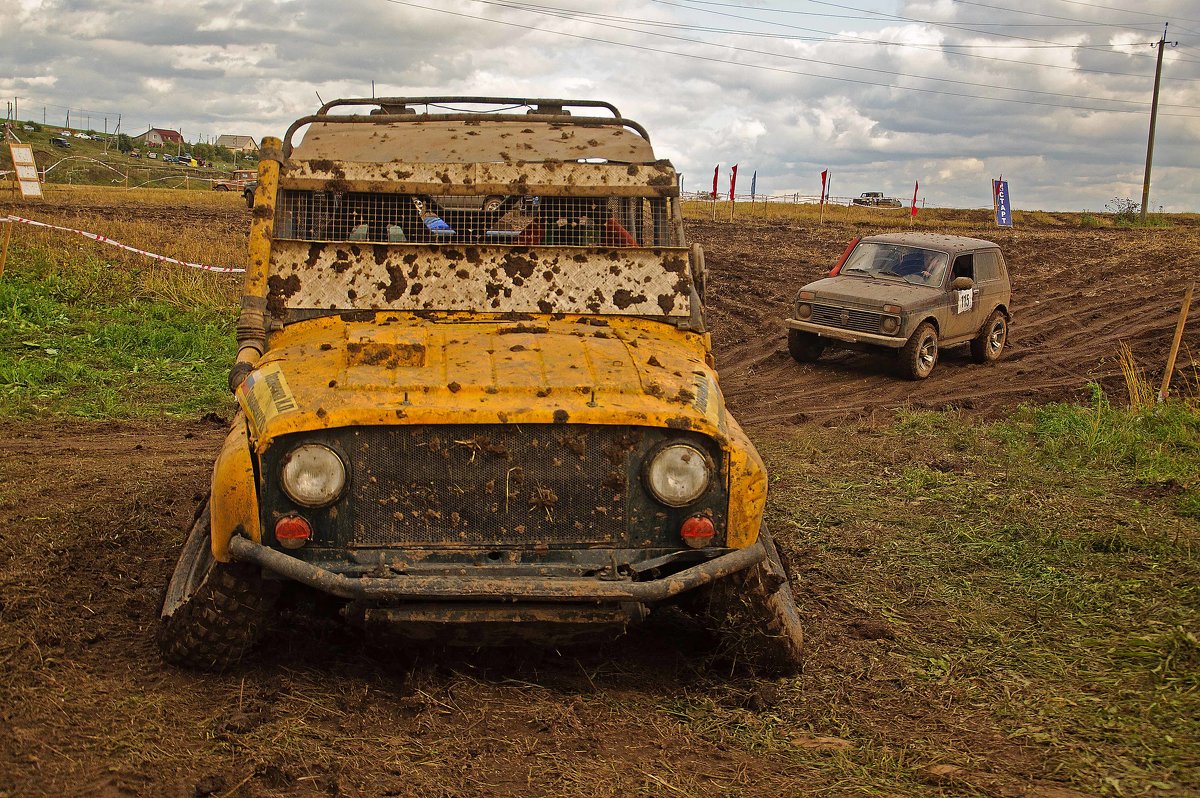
(1153, 121)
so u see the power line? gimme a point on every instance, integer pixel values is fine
(1157, 17)
(941, 48)
(780, 70)
(567, 14)
(879, 14)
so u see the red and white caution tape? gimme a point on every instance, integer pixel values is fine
(126, 247)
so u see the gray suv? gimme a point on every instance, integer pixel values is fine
(910, 293)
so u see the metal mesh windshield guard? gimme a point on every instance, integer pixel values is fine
(515, 221)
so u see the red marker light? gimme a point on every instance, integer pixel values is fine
(697, 531)
(292, 531)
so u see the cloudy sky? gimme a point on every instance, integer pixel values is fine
(1053, 94)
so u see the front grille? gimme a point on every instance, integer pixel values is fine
(489, 485)
(847, 318)
(533, 487)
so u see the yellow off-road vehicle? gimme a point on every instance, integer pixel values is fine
(477, 398)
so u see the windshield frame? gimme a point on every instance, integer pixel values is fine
(921, 266)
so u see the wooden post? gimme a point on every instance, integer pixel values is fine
(4, 252)
(1183, 314)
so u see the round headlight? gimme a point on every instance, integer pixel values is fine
(803, 310)
(313, 475)
(890, 324)
(678, 474)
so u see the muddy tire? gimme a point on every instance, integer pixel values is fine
(804, 347)
(212, 613)
(920, 354)
(989, 344)
(755, 617)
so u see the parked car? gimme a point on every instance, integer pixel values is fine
(248, 193)
(875, 199)
(83, 136)
(911, 294)
(60, 142)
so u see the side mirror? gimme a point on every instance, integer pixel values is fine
(962, 283)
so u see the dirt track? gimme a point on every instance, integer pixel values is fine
(90, 519)
(1076, 295)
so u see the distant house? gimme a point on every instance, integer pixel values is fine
(157, 137)
(237, 143)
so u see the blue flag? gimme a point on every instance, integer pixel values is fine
(1001, 203)
(753, 184)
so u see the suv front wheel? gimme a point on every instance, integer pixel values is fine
(920, 354)
(804, 347)
(212, 612)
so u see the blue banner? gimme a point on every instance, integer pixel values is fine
(753, 184)
(1001, 203)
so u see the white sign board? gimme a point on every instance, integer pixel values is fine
(26, 167)
(966, 300)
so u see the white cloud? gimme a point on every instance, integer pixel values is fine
(880, 115)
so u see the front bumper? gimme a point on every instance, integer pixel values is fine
(848, 336)
(496, 588)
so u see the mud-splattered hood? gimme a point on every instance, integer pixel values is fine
(397, 368)
(869, 292)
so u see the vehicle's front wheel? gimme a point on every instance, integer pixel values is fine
(805, 347)
(920, 354)
(212, 612)
(989, 344)
(754, 613)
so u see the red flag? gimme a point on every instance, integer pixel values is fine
(732, 181)
(716, 172)
(914, 202)
(824, 175)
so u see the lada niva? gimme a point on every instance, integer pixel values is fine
(911, 294)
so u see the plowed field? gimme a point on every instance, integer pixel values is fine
(90, 524)
(1077, 293)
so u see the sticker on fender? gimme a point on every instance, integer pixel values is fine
(264, 395)
(966, 300)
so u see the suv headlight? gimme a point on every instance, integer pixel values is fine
(678, 474)
(313, 475)
(803, 310)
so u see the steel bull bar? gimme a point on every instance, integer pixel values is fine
(539, 588)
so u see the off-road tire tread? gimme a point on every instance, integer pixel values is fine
(221, 622)
(979, 344)
(804, 347)
(755, 614)
(215, 627)
(912, 350)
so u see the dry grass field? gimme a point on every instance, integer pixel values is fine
(998, 568)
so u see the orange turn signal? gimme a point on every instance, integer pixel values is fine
(292, 531)
(697, 531)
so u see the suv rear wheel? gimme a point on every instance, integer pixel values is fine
(920, 354)
(212, 612)
(989, 344)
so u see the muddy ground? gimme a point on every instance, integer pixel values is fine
(90, 524)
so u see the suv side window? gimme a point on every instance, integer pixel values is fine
(987, 266)
(964, 266)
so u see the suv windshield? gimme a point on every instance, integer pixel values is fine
(912, 264)
(516, 221)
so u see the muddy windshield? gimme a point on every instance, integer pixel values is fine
(911, 264)
(507, 221)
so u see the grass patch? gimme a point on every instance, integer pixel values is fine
(1032, 584)
(81, 336)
